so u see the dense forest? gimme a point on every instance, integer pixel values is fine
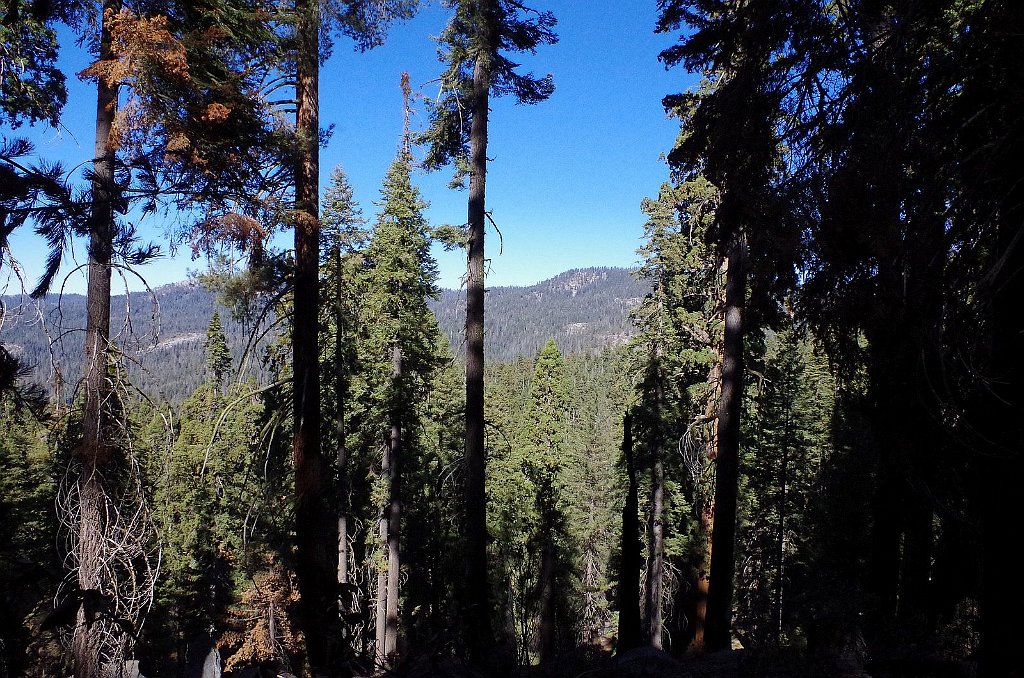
(800, 457)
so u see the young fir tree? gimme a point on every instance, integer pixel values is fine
(785, 442)
(218, 355)
(342, 237)
(545, 438)
(474, 43)
(398, 354)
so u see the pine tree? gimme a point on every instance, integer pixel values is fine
(545, 457)
(785, 441)
(342, 238)
(398, 352)
(218, 356)
(473, 43)
(676, 357)
(629, 565)
(737, 148)
(28, 530)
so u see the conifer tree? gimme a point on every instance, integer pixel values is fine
(473, 47)
(785, 441)
(677, 351)
(398, 354)
(315, 521)
(342, 237)
(545, 458)
(218, 356)
(629, 564)
(743, 49)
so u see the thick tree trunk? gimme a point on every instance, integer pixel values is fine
(629, 569)
(705, 527)
(547, 623)
(655, 555)
(723, 538)
(394, 524)
(315, 523)
(477, 612)
(94, 451)
(1001, 420)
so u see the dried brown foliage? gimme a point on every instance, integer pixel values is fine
(261, 628)
(240, 232)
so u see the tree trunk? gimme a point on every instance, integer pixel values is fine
(477, 613)
(629, 570)
(394, 524)
(94, 451)
(316, 524)
(705, 527)
(656, 554)
(723, 538)
(547, 623)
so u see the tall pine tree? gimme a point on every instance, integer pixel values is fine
(473, 45)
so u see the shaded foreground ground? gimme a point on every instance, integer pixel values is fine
(650, 663)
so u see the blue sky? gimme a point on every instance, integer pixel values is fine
(566, 177)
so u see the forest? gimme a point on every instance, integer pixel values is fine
(800, 459)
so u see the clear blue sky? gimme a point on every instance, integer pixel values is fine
(566, 177)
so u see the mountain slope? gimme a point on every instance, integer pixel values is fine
(583, 310)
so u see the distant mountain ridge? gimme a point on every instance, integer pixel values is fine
(582, 309)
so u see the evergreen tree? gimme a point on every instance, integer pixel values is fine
(785, 441)
(218, 356)
(32, 88)
(28, 531)
(342, 238)
(545, 457)
(676, 360)
(316, 526)
(743, 49)
(398, 353)
(629, 565)
(473, 43)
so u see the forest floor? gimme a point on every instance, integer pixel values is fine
(650, 663)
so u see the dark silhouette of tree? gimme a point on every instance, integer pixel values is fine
(473, 46)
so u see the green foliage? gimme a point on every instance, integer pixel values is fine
(213, 504)
(29, 564)
(788, 438)
(32, 88)
(552, 440)
(218, 356)
(399, 275)
(482, 32)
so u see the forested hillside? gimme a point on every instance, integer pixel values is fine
(162, 334)
(585, 310)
